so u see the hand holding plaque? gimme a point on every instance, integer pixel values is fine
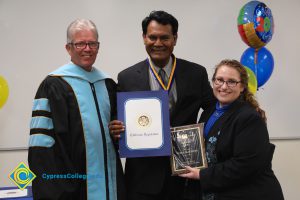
(187, 148)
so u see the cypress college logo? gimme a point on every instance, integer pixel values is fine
(22, 176)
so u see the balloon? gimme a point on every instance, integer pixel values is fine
(4, 91)
(261, 62)
(255, 24)
(252, 82)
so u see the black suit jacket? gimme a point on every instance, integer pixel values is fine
(149, 175)
(243, 170)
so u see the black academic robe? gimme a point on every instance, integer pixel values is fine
(60, 146)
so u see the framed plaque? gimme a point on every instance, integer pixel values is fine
(187, 148)
(145, 115)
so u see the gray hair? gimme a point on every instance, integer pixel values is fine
(79, 25)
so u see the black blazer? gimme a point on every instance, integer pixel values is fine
(148, 175)
(244, 154)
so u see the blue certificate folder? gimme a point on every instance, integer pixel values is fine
(145, 115)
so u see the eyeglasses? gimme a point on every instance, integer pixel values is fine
(82, 45)
(229, 83)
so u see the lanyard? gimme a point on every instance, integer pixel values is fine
(158, 79)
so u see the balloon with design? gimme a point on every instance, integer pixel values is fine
(256, 24)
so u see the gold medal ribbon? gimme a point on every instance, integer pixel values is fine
(158, 77)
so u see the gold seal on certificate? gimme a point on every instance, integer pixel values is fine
(187, 148)
(144, 120)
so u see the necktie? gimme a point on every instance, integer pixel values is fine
(164, 79)
(162, 75)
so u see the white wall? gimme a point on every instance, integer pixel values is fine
(33, 35)
(32, 45)
(286, 165)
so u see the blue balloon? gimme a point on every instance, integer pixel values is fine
(264, 65)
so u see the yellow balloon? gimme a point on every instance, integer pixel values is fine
(252, 81)
(4, 91)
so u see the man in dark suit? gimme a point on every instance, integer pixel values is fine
(149, 178)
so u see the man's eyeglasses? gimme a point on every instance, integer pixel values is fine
(229, 83)
(82, 45)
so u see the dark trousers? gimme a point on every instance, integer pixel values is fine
(175, 188)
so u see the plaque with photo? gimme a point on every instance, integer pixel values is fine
(187, 148)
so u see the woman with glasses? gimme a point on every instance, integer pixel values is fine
(238, 150)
